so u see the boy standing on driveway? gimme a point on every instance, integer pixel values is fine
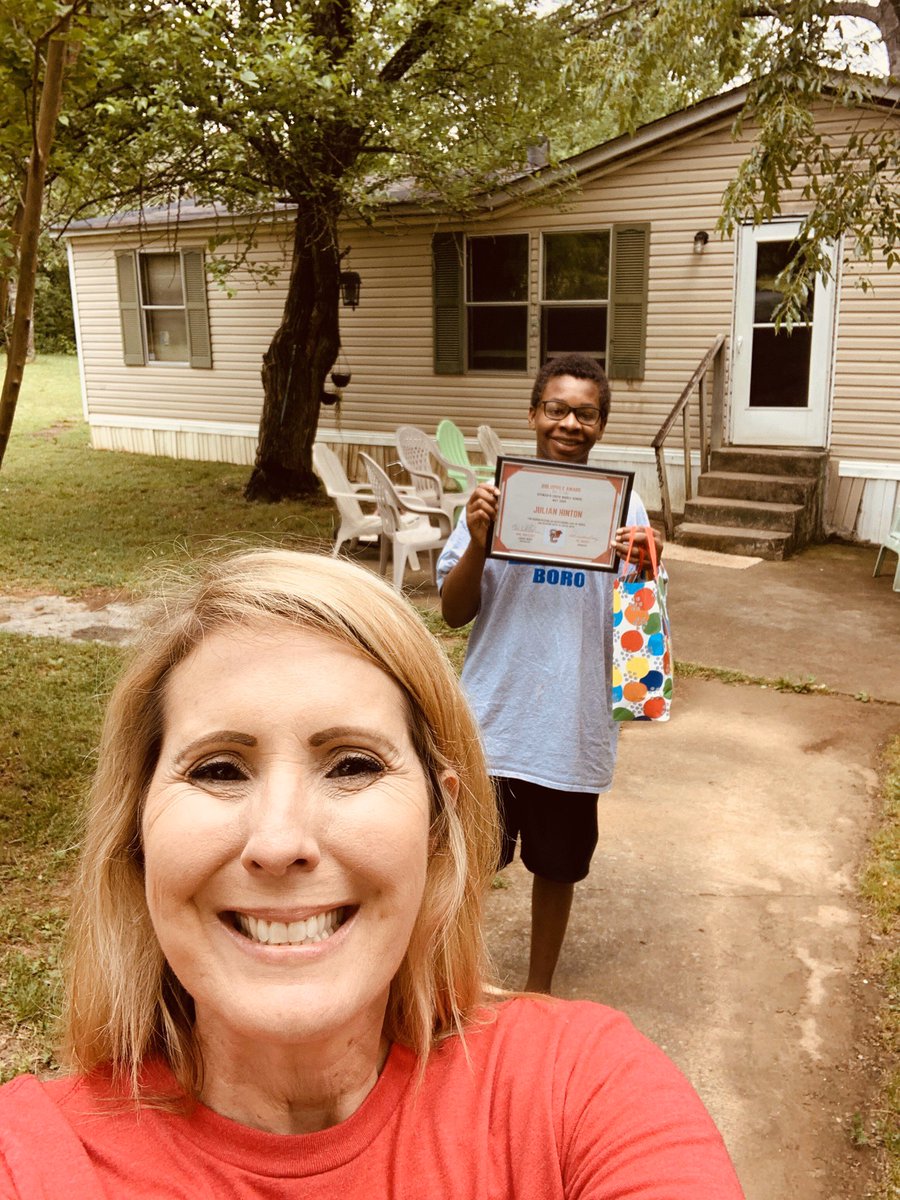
(538, 665)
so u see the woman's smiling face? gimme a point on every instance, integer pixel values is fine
(285, 835)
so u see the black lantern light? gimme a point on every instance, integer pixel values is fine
(701, 237)
(350, 282)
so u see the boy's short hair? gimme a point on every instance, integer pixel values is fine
(579, 366)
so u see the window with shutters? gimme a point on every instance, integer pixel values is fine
(497, 302)
(591, 299)
(575, 294)
(162, 307)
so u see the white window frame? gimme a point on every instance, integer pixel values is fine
(144, 308)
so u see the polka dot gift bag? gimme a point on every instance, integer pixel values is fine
(642, 649)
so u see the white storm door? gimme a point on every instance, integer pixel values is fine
(780, 382)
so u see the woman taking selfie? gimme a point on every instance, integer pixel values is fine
(276, 979)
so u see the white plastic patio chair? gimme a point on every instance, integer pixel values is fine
(891, 542)
(355, 523)
(331, 471)
(491, 446)
(418, 454)
(406, 540)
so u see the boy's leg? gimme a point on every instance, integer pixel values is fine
(558, 833)
(551, 903)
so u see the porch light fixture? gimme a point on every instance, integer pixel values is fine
(701, 237)
(350, 282)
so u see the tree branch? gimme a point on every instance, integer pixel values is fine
(832, 8)
(577, 23)
(422, 39)
(851, 8)
(61, 22)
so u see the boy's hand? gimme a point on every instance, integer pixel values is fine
(622, 537)
(481, 510)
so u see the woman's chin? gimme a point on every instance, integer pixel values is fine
(300, 1015)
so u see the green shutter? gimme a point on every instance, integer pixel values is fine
(628, 301)
(449, 310)
(129, 309)
(194, 274)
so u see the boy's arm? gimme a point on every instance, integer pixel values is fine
(461, 592)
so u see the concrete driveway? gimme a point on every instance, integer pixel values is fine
(721, 911)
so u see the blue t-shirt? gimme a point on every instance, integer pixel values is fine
(537, 669)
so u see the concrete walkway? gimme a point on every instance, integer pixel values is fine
(721, 911)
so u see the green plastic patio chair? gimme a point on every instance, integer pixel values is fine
(453, 447)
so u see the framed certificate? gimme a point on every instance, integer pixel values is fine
(560, 513)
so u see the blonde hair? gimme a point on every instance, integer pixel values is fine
(124, 1005)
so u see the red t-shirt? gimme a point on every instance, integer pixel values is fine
(556, 1099)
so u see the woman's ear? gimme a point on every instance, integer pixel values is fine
(449, 782)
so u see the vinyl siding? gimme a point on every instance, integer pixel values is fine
(241, 328)
(677, 187)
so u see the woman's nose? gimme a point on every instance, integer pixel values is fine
(282, 829)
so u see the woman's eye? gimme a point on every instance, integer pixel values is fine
(217, 770)
(355, 766)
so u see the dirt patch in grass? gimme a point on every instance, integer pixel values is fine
(97, 598)
(52, 432)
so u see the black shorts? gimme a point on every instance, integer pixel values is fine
(558, 829)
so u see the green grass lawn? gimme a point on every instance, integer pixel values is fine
(73, 519)
(51, 700)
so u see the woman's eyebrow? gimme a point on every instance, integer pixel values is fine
(336, 732)
(217, 735)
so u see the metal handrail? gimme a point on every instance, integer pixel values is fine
(710, 438)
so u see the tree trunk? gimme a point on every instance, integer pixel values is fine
(297, 362)
(888, 19)
(6, 279)
(20, 335)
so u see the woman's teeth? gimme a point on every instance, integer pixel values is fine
(295, 933)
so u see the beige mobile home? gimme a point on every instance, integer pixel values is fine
(454, 319)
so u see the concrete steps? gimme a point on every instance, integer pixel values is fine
(753, 514)
(773, 544)
(779, 489)
(757, 501)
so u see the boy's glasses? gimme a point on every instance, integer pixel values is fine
(555, 410)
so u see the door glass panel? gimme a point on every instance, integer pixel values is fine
(771, 259)
(779, 377)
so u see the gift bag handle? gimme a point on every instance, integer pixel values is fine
(642, 553)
